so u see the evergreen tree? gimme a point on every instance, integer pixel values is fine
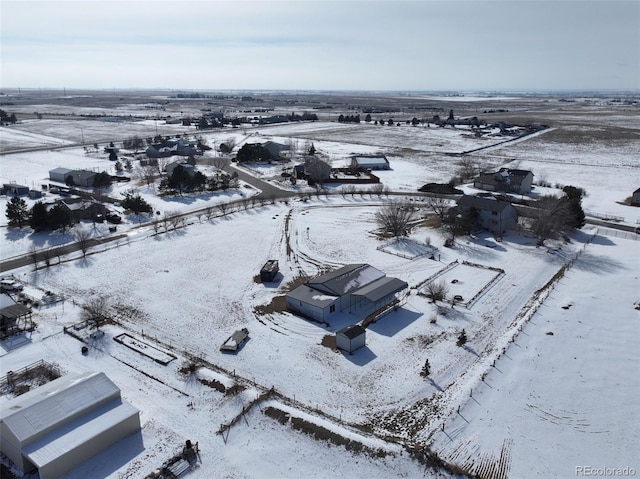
(426, 369)
(102, 180)
(113, 156)
(59, 217)
(17, 212)
(38, 217)
(462, 338)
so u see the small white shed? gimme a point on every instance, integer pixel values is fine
(351, 338)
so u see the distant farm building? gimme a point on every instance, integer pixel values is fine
(60, 425)
(358, 289)
(59, 174)
(79, 177)
(494, 215)
(635, 198)
(351, 338)
(370, 162)
(13, 189)
(505, 180)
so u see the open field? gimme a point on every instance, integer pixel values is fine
(547, 332)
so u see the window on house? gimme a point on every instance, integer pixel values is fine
(494, 213)
(332, 308)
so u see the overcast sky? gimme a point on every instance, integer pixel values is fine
(418, 45)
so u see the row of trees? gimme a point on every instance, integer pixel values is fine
(7, 119)
(39, 217)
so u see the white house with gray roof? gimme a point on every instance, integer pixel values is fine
(494, 215)
(357, 289)
(60, 425)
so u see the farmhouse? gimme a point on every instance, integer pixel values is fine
(494, 215)
(351, 338)
(511, 181)
(275, 148)
(61, 424)
(370, 162)
(313, 170)
(188, 168)
(357, 289)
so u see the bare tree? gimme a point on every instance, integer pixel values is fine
(552, 216)
(95, 311)
(34, 254)
(147, 173)
(377, 189)
(440, 206)
(468, 168)
(437, 291)
(223, 207)
(209, 212)
(246, 201)
(47, 255)
(220, 162)
(83, 239)
(348, 190)
(396, 218)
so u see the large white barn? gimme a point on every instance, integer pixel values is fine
(61, 424)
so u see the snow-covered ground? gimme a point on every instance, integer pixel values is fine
(542, 404)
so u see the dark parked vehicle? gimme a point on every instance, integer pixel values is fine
(113, 218)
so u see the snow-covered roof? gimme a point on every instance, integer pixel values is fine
(346, 279)
(55, 403)
(381, 288)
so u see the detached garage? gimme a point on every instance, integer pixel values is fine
(60, 425)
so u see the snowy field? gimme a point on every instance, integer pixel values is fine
(183, 292)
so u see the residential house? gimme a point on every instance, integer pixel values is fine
(189, 168)
(635, 198)
(179, 147)
(357, 289)
(314, 170)
(506, 180)
(351, 338)
(81, 209)
(494, 215)
(58, 426)
(370, 162)
(275, 149)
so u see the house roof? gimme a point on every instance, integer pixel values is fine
(78, 432)
(381, 288)
(10, 309)
(352, 331)
(346, 279)
(55, 403)
(312, 296)
(482, 203)
(61, 171)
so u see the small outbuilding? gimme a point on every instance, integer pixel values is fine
(635, 198)
(351, 338)
(370, 162)
(13, 189)
(269, 271)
